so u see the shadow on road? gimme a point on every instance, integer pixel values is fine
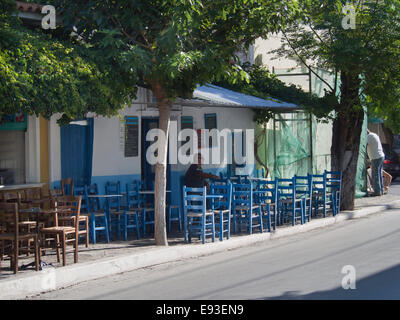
(383, 285)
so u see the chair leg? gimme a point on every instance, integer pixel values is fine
(137, 225)
(76, 248)
(87, 231)
(64, 248)
(57, 239)
(221, 226)
(180, 218)
(228, 233)
(93, 228)
(169, 218)
(37, 255)
(125, 226)
(16, 253)
(107, 229)
(185, 227)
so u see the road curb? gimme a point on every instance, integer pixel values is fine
(55, 278)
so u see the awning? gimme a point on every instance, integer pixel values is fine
(214, 96)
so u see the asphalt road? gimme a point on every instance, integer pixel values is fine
(306, 266)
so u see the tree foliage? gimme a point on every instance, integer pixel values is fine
(366, 60)
(263, 84)
(371, 51)
(42, 75)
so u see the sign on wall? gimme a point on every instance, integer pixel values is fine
(131, 137)
(16, 121)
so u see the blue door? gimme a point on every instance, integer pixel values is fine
(148, 170)
(77, 151)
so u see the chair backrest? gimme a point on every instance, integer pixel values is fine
(67, 186)
(267, 191)
(194, 200)
(224, 203)
(286, 188)
(133, 200)
(70, 206)
(80, 191)
(12, 197)
(319, 183)
(304, 185)
(34, 193)
(9, 218)
(113, 188)
(93, 204)
(242, 194)
(261, 173)
(333, 179)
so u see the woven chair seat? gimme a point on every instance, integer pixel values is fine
(59, 229)
(21, 236)
(246, 207)
(198, 214)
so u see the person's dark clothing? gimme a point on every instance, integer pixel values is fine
(193, 177)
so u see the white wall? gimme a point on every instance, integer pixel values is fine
(108, 155)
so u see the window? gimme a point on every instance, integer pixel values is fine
(211, 123)
(131, 137)
(186, 123)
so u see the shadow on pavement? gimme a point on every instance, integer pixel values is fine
(383, 285)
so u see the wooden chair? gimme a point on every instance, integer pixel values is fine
(304, 189)
(222, 208)
(84, 216)
(68, 207)
(35, 197)
(266, 195)
(97, 216)
(245, 210)
(9, 217)
(132, 211)
(289, 205)
(197, 219)
(67, 186)
(114, 207)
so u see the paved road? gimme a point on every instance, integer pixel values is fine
(307, 266)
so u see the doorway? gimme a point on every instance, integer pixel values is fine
(148, 170)
(77, 151)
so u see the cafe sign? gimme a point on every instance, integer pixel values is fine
(16, 121)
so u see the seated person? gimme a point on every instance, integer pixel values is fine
(195, 177)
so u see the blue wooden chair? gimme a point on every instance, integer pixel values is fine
(114, 209)
(245, 211)
(322, 198)
(198, 221)
(334, 187)
(173, 208)
(266, 195)
(222, 208)
(131, 215)
(289, 206)
(304, 190)
(97, 215)
(83, 217)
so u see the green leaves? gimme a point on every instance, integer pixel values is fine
(40, 75)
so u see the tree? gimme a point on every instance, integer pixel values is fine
(42, 75)
(365, 61)
(172, 46)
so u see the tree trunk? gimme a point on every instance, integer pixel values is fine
(347, 128)
(164, 108)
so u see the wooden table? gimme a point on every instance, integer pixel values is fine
(13, 187)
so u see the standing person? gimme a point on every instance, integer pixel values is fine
(376, 155)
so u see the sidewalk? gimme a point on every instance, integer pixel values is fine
(102, 259)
